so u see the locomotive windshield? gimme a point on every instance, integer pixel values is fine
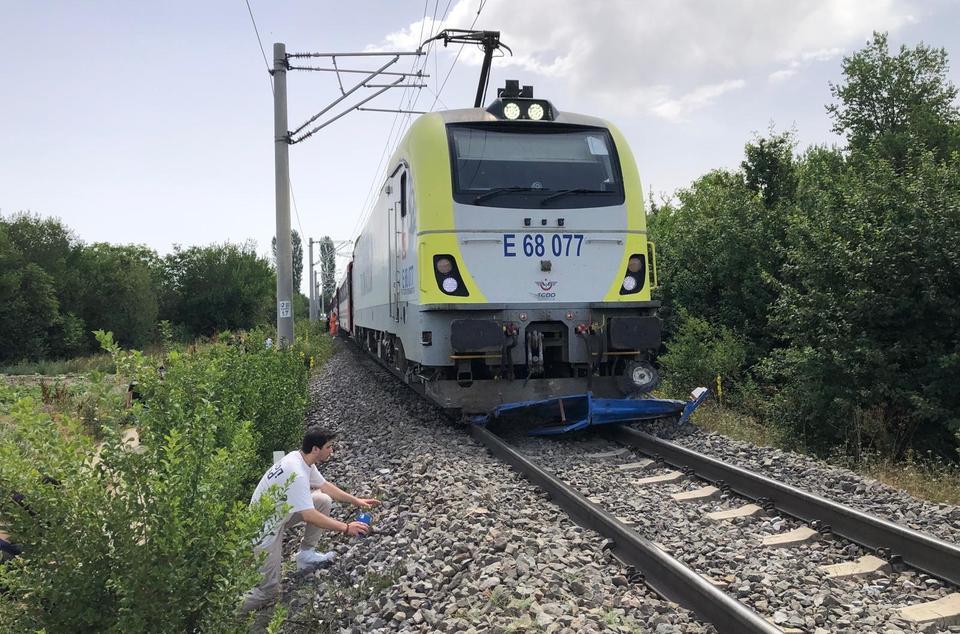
(550, 167)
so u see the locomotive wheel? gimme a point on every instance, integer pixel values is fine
(638, 376)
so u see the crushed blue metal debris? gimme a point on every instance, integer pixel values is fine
(580, 411)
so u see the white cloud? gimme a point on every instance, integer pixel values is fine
(678, 109)
(669, 57)
(782, 75)
(821, 55)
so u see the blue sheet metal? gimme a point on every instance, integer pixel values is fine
(579, 411)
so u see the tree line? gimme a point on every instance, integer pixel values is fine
(55, 290)
(819, 290)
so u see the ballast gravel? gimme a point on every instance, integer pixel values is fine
(461, 543)
(838, 484)
(784, 584)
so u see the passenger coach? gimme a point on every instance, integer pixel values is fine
(507, 259)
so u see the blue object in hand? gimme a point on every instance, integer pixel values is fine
(366, 518)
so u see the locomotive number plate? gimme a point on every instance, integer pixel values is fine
(536, 245)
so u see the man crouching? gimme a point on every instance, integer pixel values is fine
(310, 498)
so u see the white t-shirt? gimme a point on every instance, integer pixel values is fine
(305, 477)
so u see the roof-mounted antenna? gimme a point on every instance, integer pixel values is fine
(489, 40)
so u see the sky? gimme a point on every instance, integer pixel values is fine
(152, 122)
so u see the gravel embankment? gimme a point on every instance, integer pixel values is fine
(785, 585)
(461, 542)
(838, 484)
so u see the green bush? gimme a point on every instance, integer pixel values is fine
(267, 387)
(869, 309)
(703, 354)
(313, 340)
(136, 541)
(157, 538)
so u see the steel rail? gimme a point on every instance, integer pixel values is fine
(664, 574)
(932, 555)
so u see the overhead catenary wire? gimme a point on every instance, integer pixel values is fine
(457, 58)
(412, 99)
(364, 210)
(260, 42)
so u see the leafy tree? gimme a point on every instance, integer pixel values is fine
(46, 243)
(769, 168)
(119, 291)
(328, 271)
(219, 287)
(870, 307)
(899, 102)
(297, 245)
(718, 257)
(29, 309)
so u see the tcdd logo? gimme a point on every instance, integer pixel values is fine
(546, 286)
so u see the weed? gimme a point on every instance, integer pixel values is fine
(734, 424)
(275, 626)
(927, 477)
(499, 597)
(611, 618)
(520, 606)
(104, 539)
(78, 365)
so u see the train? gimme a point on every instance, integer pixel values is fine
(506, 259)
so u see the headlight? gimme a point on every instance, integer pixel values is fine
(444, 266)
(634, 265)
(535, 111)
(450, 284)
(629, 283)
(511, 110)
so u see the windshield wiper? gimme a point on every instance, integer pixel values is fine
(496, 191)
(577, 190)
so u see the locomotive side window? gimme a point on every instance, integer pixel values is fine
(403, 195)
(558, 167)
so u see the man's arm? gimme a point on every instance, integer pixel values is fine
(315, 517)
(340, 495)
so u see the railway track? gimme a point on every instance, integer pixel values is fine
(666, 575)
(895, 542)
(819, 522)
(706, 480)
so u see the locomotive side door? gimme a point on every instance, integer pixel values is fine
(397, 212)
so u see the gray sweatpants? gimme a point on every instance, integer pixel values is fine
(269, 587)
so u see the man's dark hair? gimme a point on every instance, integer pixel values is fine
(316, 438)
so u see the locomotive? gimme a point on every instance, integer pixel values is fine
(506, 259)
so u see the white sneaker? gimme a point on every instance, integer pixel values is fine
(307, 559)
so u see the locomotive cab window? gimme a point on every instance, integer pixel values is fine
(553, 167)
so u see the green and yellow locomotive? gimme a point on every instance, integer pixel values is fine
(507, 259)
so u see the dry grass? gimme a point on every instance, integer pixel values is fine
(927, 479)
(728, 422)
(80, 365)
(930, 480)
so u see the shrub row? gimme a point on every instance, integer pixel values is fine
(823, 287)
(155, 538)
